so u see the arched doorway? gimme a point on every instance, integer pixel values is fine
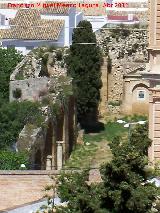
(140, 99)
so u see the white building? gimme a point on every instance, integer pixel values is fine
(27, 28)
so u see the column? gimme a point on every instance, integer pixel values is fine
(49, 162)
(59, 154)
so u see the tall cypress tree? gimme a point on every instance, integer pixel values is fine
(84, 62)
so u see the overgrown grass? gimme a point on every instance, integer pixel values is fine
(83, 155)
(111, 130)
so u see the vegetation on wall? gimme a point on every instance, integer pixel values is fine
(115, 103)
(120, 31)
(83, 63)
(13, 117)
(9, 58)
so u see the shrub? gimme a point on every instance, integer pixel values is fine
(115, 103)
(51, 48)
(9, 59)
(19, 76)
(42, 92)
(137, 26)
(10, 160)
(59, 55)
(14, 116)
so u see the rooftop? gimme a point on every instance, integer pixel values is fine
(28, 25)
(121, 18)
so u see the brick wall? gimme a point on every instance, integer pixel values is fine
(20, 187)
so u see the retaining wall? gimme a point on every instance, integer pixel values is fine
(21, 187)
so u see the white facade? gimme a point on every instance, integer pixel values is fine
(96, 21)
(65, 37)
(25, 46)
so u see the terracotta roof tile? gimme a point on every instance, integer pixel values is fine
(28, 25)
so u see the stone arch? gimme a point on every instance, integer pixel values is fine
(140, 85)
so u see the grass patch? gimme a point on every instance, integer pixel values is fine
(82, 156)
(111, 130)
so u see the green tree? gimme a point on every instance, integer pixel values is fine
(10, 160)
(137, 141)
(83, 63)
(124, 188)
(123, 181)
(9, 58)
(13, 117)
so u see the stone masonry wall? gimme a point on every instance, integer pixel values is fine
(128, 54)
(33, 73)
(30, 88)
(115, 88)
(50, 89)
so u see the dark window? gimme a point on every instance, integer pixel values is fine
(141, 94)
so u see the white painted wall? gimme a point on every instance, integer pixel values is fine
(121, 22)
(96, 21)
(72, 22)
(78, 18)
(21, 45)
(9, 13)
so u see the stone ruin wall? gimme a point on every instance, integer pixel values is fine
(128, 55)
(31, 88)
(34, 87)
(27, 75)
